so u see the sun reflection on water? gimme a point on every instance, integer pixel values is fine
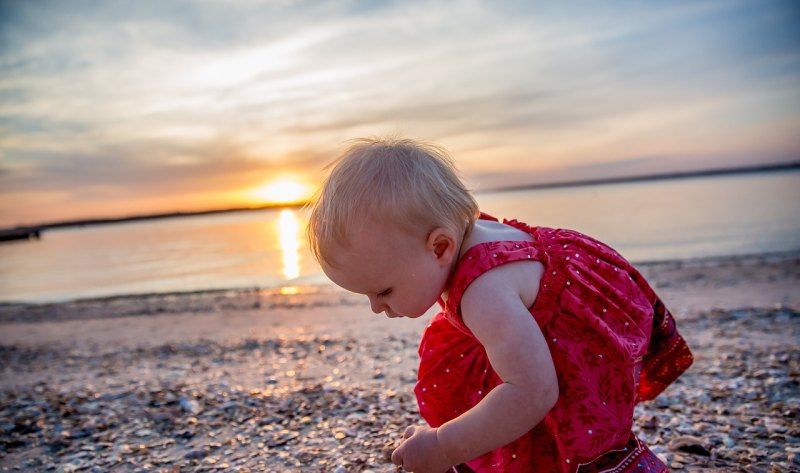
(288, 232)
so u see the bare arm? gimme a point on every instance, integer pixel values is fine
(494, 309)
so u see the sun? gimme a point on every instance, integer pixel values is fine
(281, 191)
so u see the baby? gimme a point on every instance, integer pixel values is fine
(546, 338)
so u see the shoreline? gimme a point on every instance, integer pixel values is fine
(294, 294)
(250, 381)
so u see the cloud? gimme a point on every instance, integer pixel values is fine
(160, 97)
(138, 167)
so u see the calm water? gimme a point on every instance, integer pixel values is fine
(686, 218)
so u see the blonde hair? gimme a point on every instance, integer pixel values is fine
(402, 181)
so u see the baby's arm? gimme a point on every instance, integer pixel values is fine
(494, 309)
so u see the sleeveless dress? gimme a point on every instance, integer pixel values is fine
(612, 341)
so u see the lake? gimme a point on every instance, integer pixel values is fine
(682, 218)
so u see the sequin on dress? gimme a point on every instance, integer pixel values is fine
(613, 344)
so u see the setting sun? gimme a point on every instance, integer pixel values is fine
(283, 191)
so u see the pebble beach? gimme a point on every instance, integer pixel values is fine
(253, 380)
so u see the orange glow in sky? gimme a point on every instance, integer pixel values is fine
(129, 111)
(281, 191)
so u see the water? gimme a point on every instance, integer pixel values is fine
(645, 221)
(671, 219)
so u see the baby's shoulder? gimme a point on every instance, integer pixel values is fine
(515, 279)
(488, 231)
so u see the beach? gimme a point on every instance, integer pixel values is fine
(256, 380)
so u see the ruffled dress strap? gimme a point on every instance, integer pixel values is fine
(485, 256)
(481, 258)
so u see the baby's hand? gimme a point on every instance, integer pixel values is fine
(420, 452)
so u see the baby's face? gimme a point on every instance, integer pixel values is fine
(402, 275)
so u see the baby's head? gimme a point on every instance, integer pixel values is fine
(402, 182)
(387, 189)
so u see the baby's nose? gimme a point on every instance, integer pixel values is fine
(376, 305)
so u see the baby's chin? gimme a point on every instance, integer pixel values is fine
(394, 315)
(411, 316)
(419, 312)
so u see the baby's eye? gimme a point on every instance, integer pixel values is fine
(385, 293)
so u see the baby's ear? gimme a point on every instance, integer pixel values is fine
(443, 244)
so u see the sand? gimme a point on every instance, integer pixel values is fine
(261, 381)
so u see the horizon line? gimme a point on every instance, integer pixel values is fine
(532, 186)
(647, 177)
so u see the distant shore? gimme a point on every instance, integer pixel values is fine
(134, 218)
(38, 228)
(649, 177)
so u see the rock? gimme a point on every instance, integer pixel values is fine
(689, 444)
(189, 405)
(195, 454)
(755, 469)
(662, 401)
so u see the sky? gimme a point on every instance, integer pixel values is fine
(118, 108)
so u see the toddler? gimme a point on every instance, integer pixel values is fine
(546, 338)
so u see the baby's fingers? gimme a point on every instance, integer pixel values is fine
(397, 455)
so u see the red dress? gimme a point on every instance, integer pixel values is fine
(612, 341)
